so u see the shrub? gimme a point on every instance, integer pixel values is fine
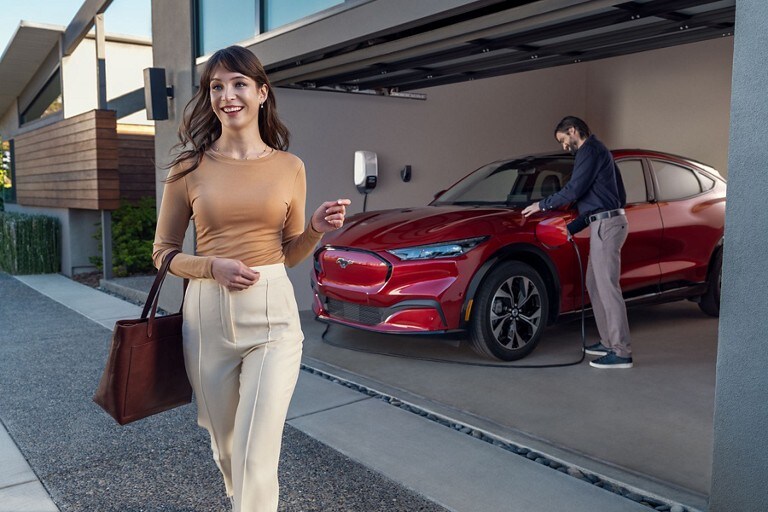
(133, 232)
(29, 244)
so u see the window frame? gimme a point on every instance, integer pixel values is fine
(650, 190)
(702, 175)
(260, 34)
(54, 77)
(687, 167)
(197, 29)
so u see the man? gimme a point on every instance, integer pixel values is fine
(598, 192)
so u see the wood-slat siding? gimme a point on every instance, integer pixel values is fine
(70, 164)
(135, 159)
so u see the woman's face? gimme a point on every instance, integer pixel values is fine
(236, 99)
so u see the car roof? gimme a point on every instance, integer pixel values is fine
(620, 153)
(649, 153)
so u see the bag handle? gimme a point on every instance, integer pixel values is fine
(150, 307)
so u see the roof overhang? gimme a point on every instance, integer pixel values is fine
(497, 38)
(22, 58)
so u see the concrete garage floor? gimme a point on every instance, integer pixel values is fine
(650, 427)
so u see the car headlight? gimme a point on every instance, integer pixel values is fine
(441, 250)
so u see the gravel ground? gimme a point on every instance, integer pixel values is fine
(49, 369)
(88, 278)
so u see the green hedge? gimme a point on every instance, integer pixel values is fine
(29, 244)
(133, 232)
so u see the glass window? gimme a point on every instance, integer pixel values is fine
(675, 182)
(707, 183)
(221, 23)
(634, 180)
(47, 101)
(279, 12)
(7, 190)
(546, 184)
(512, 183)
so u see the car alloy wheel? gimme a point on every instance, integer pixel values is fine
(510, 311)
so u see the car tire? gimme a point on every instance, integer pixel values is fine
(509, 312)
(710, 301)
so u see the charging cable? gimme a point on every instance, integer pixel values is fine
(486, 365)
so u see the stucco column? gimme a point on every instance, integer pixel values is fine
(172, 49)
(740, 457)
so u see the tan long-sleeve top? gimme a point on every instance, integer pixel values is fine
(247, 210)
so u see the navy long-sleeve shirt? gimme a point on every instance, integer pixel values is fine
(595, 183)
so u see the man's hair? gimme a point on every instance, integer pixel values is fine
(569, 122)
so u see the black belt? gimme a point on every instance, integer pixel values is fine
(605, 215)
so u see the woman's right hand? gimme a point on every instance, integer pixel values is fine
(233, 274)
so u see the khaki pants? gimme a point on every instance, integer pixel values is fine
(603, 272)
(242, 350)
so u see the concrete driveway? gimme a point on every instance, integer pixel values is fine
(650, 426)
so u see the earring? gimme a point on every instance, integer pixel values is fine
(262, 105)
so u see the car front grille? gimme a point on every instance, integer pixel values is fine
(366, 315)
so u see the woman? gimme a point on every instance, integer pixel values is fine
(242, 337)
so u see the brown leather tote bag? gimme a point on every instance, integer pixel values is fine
(145, 371)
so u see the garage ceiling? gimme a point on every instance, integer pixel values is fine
(500, 38)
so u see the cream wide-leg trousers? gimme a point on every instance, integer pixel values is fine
(242, 350)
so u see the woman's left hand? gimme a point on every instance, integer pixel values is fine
(330, 215)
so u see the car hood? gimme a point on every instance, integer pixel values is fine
(391, 229)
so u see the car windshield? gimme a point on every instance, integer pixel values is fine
(513, 183)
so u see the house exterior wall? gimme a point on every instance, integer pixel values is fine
(76, 167)
(78, 228)
(9, 120)
(173, 49)
(740, 452)
(73, 163)
(135, 161)
(125, 62)
(70, 164)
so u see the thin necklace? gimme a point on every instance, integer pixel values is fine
(261, 154)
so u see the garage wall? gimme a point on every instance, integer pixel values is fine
(458, 129)
(675, 99)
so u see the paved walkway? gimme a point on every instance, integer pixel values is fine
(371, 455)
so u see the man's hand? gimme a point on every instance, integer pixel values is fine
(233, 274)
(531, 209)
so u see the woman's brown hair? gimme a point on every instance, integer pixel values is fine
(200, 126)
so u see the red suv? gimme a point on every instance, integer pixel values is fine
(470, 261)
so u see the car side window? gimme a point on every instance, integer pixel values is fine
(675, 182)
(707, 183)
(494, 188)
(547, 183)
(634, 180)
